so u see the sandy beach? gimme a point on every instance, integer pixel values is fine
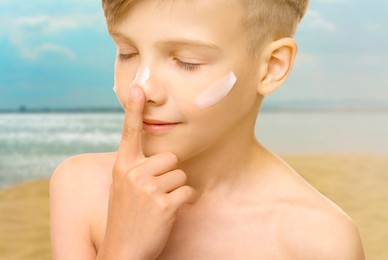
(357, 183)
(24, 221)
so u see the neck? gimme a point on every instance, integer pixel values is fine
(226, 164)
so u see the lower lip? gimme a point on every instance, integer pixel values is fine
(158, 128)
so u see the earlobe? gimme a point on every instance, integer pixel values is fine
(277, 65)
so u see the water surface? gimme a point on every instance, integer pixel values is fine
(32, 145)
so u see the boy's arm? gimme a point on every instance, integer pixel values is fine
(70, 236)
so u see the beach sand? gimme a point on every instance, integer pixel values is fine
(358, 184)
(24, 221)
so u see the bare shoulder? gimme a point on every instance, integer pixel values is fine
(77, 185)
(81, 180)
(82, 170)
(317, 228)
(321, 231)
(309, 225)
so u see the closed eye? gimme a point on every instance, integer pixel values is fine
(186, 65)
(125, 56)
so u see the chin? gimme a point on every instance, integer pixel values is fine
(184, 148)
(152, 146)
(177, 148)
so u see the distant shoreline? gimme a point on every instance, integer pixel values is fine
(263, 109)
(61, 110)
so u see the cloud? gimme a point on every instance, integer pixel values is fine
(53, 24)
(314, 20)
(30, 34)
(49, 24)
(47, 50)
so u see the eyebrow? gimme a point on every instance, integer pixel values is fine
(173, 42)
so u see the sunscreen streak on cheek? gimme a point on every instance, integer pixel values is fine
(216, 91)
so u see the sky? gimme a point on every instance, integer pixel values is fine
(58, 54)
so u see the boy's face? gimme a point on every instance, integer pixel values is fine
(179, 49)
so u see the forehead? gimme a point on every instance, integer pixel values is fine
(116, 10)
(215, 19)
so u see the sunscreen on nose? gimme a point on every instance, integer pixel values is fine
(215, 91)
(142, 77)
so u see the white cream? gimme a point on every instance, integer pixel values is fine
(142, 77)
(212, 94)
(216, 91)
(115, 91)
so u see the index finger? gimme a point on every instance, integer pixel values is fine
(130, 148)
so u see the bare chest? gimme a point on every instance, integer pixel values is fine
(217, 234)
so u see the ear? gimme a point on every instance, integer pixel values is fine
(278, 61)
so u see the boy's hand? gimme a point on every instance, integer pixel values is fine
(145, 193)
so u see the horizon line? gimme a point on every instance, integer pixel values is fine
(47, 110)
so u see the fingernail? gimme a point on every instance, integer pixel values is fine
(135, 93)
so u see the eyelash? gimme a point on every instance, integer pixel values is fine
(186, 66)
(183, 65)
(124, 57)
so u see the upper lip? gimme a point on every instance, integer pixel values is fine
(157, 122)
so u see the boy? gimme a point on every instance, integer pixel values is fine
(189, 180)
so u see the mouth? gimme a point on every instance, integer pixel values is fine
(158, 127)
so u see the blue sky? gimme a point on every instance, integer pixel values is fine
(57, 53)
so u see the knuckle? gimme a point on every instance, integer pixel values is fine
(151, 187)
(163, 204)
(188, 192)
(117, 171)
(117, 168)
(181, 175)
(128, 131)
(171, 157)
(134, 176)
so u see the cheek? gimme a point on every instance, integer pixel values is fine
(232, 99)
(201, 94)
(216, 91)
(124, 74)
(198, 93)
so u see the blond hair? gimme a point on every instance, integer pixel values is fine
(264, 20)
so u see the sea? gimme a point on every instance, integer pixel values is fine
(33, 144)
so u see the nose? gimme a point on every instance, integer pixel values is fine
(152, 87)
(143, 76)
